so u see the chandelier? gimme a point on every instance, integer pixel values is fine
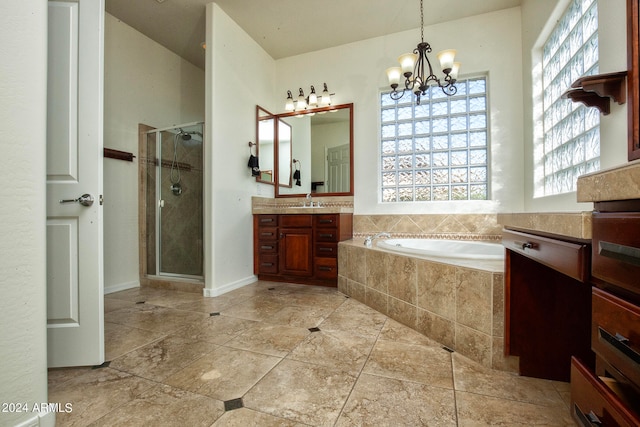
(413, 67)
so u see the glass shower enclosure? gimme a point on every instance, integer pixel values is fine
(174, 202)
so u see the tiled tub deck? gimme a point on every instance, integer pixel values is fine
(460, 305)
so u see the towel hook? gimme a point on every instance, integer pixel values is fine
(251, 144)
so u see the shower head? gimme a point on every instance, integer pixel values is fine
(186, 136)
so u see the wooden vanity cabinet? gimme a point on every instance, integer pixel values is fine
(302, 248)
(610, 394)
(296, 245)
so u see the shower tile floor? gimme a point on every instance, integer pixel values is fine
(277, 354)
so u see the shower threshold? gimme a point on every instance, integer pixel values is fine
(176, 283)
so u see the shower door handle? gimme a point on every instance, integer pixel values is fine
(84, 200)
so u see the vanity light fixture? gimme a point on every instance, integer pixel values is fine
(311, 101)
(412, 67)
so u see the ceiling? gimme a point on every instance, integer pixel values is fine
(290, 27)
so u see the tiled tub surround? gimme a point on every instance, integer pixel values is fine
(436, 226)
(459, 306)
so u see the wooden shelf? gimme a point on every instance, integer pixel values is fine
(598, 90)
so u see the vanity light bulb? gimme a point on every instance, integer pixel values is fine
(288, 106)
(313, 99)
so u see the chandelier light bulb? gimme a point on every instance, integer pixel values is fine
(454, 71)
(393, 74)
(446, 58)
(407, 63)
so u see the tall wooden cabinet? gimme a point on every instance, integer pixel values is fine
(299, 248)
(610, 394)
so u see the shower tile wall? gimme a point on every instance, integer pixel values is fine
(181, 216)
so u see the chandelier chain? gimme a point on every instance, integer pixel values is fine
(421, 22)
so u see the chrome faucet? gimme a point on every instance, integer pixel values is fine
(369, 240)
(310, 200)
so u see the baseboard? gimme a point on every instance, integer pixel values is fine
(46, 419)
(209, 292)
(121, 287)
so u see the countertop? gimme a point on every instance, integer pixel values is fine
(301, 210)
(618, 183)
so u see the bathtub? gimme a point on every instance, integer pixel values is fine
(451, 249)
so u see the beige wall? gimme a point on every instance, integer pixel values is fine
(23, 340)
(144, 83)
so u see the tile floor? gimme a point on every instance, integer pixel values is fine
(274, 354)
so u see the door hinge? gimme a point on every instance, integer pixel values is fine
(101, 199)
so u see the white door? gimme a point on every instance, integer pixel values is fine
(338, 169)
(75, 320)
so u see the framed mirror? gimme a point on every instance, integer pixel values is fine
(633, 82)
(321, 152)
(265, 145)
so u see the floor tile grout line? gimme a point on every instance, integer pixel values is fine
(360, 373)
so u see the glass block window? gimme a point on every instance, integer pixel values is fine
(571, 130)
(437, 150)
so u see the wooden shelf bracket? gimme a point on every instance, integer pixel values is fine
(598, 90)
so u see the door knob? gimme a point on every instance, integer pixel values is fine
(84, 200)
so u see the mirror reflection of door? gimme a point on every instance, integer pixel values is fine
(337, 170)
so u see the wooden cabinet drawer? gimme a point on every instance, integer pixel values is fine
(326, 235)
(615, 333)
(326, 268)
(616, 249)
(267, 220)
(268, 264)
(326, 250)
(296, 220)
(591, 398)
(268, 233)
(568, 258)
(326, 220)
(268, 247)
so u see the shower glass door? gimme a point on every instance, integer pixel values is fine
(175, 240)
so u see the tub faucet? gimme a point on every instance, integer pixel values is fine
(369, 240)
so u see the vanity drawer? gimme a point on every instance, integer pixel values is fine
(268, 233)
(326, 268)
(615, 333)
(326, 235)
(267, 264)
(591, 398)
(268, 247)
(326, 220)
(568, 258)
(267, 220)
(326, 250)
(296, 220)
(616, 249)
